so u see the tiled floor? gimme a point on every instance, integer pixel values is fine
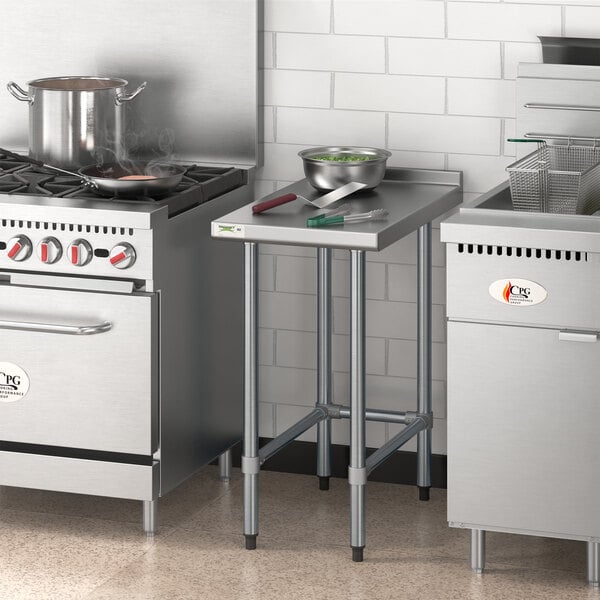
(60, 546)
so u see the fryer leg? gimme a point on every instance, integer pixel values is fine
(150, 516)
(225, 466)
(593, 563)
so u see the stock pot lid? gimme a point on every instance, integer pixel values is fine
(77, 84)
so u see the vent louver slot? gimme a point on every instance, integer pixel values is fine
(65, 227)
(518, 252)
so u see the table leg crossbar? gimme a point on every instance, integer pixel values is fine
(290, 434)
(393, 444)
(417, 423)
(337, 411)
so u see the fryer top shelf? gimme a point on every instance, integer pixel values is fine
(490, 220)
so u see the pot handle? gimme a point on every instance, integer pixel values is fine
(124, 97)
(18, 92)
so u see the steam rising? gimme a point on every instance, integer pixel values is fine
(115, 166)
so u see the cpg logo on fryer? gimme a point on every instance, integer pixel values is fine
(14, 382)
(518, 292)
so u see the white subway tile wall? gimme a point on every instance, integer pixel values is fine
(389, 93)
(433, 82)
(446, 58)
(297, 88)
(313, 126)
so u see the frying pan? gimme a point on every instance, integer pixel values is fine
(104, 180)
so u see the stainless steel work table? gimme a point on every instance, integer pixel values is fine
(413, 198)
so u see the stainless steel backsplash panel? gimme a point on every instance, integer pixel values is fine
(557, 100)
(199, 57)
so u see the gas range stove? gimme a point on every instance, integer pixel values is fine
(54, 223)
(128, 357)
(84, 278)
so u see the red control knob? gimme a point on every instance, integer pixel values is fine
(122, 256)
(19, 248)
(79, 253)
(49, 250)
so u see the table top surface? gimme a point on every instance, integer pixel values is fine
(412, 197)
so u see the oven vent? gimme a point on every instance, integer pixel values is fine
(517, 252)
(66, 227)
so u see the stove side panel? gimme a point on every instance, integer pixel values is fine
(200, 284)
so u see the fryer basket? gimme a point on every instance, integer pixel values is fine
(557, 179)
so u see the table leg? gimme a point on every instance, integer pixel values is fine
(324, 363)
(357, 472)
(424, 357)
(250, 460)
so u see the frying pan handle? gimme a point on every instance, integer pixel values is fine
(87, 180)
(268, 204)
(18, 92)
(22, 158)
(124, 97)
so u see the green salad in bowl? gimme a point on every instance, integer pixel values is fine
(344, 157)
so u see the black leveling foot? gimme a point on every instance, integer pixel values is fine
(357, 553)
(424, 493)
(323, 483)
(250, 542)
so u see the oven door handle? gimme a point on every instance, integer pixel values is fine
(53, 328)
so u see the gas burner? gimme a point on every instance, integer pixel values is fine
(61, 184)
(25, 182)
(34, 180)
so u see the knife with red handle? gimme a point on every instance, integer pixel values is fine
(267, 204)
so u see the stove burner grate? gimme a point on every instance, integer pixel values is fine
(198, 185)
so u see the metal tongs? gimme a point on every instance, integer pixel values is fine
(324, 220)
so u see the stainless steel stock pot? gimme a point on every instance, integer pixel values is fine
(76, 121)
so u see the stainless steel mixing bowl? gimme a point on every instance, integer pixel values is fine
(329, 175)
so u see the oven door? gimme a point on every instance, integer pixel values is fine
(78, 369)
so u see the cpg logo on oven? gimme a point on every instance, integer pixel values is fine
(518, 292)
(14, 382)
